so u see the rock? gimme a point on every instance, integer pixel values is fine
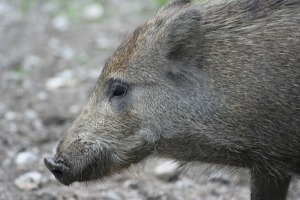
(61, 50)
(105, 42)
(12, 127)
(10, 116)
(4, 8)
(26, 158)
(184, 183)
(110, 195)
(132, 184)
(46, 196)
(50, 8)
(30, 62)
(30, 114)
(167, 170)
(29, 181)
(61, 22)
(6, 163)
(42, 95)
(75, 109)
(65, 78)
(54, 44)
(67, 53)
(93, 12)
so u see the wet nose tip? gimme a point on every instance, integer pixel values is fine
(58, 169)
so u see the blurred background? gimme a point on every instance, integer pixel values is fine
(51, 54)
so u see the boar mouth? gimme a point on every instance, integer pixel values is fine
(67, 175)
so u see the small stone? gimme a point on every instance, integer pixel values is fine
(29, 181)
(12, 127)
(31, 114)
(75, 109)
(61, 50)
(26, 158)
(64, 78)
(61, 23)
(46, 196)
(93, 12)
(42, 95)
(38, 125)
(50, 7)
(184, 183)
(105, 42)
(10, 115)
(110, 195)
(67, 53)
(4, 8)
(30, 62)
(54, 44)
(167, 170)
(132, 184)
(6, 163)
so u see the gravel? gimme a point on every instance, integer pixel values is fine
(51, 55)
(29, 181)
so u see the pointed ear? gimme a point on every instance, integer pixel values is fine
(183, 36)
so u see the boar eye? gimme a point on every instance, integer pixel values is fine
(118, 89)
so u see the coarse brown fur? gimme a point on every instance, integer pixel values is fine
(216, 83)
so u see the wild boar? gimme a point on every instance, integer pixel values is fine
(216, 83)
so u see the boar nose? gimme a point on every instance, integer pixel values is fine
(58, 169)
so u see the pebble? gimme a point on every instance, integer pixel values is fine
(30, 114)
(67, 52)
(50, 8)
(132, 184)
(184, 183)
(26, 158)
(65, 78)
(61, 23)
(42, 95)
(2, 107)
(6, 163)
(4, 8)
(30, 62)
(75, 109)
(29, 181)
(105, 42)
(61, 50)
(166, 170)
(46, 196)
(111, 195)
(10, 115)
(12, 127)
(93, 12)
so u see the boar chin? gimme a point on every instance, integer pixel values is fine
(69, 171)
(87, 167)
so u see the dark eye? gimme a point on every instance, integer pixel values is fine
(118, 89)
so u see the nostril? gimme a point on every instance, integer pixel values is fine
(57, 173)
(57, 168)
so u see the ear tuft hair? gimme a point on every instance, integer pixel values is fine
(183, 35)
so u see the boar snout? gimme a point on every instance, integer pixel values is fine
(60, 170)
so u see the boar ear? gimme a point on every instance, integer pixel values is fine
(183, 36)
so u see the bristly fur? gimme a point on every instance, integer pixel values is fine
(216, 83)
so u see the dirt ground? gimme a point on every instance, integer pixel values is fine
(51, 54)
